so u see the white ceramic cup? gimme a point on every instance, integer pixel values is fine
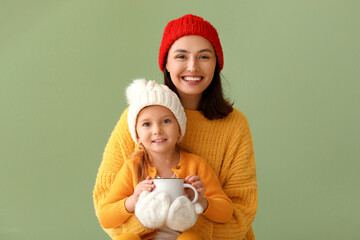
(174, 187)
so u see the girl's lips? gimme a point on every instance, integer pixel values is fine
(159, 140)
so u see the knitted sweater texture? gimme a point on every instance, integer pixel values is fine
(113, 212)
(226, 144)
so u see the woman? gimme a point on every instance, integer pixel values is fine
(191, 59)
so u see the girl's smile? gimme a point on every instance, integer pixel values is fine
(157, 129)
(159, 140)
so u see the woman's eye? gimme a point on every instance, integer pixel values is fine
(180, 56)
(204, 57)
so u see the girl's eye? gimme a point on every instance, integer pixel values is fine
(166, 121)
(146, 124)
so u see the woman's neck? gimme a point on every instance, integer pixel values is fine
(190, 102)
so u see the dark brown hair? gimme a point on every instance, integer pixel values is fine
(213, 104)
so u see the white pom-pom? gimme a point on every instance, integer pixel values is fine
(134, 89)
(198, 208)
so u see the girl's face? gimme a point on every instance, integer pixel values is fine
(191, 63)
(157, 129)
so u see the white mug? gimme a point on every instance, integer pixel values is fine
(174, 187)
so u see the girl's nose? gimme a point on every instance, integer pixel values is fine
(157, 130)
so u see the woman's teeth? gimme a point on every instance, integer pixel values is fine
(192, 79)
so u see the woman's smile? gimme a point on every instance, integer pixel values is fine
(193, 80)
(191, 63)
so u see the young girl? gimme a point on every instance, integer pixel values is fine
(157, 123)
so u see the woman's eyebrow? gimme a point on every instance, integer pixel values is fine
(200, 51)
(180, 50)
(205, 50)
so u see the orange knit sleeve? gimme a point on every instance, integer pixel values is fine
(112, 212)
(220, 208)
(240, 183)
(118, 149)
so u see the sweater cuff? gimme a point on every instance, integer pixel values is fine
(122, 209)
(209, 210)
(218, 210)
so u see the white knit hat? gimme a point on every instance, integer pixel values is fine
(141, 94)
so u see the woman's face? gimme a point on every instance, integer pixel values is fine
(191, 63)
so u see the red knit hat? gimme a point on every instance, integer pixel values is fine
(189, 25)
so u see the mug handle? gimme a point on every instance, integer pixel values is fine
(186, 185)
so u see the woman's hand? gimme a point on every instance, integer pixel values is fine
(196, 182)
(146, 185)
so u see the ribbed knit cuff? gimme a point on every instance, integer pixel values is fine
(122, 209)
(210, 211)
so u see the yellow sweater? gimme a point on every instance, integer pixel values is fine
(113, 212)
(227, 146)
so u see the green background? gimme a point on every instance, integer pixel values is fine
(291, 66)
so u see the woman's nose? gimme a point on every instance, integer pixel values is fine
(192, 65)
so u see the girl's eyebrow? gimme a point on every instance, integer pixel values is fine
(167, 116)
(144, 120)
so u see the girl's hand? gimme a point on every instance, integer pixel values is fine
(196, 182)
(146, 185)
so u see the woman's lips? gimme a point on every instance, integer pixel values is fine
(192, 79)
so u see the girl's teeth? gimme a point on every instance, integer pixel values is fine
(161, 140)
